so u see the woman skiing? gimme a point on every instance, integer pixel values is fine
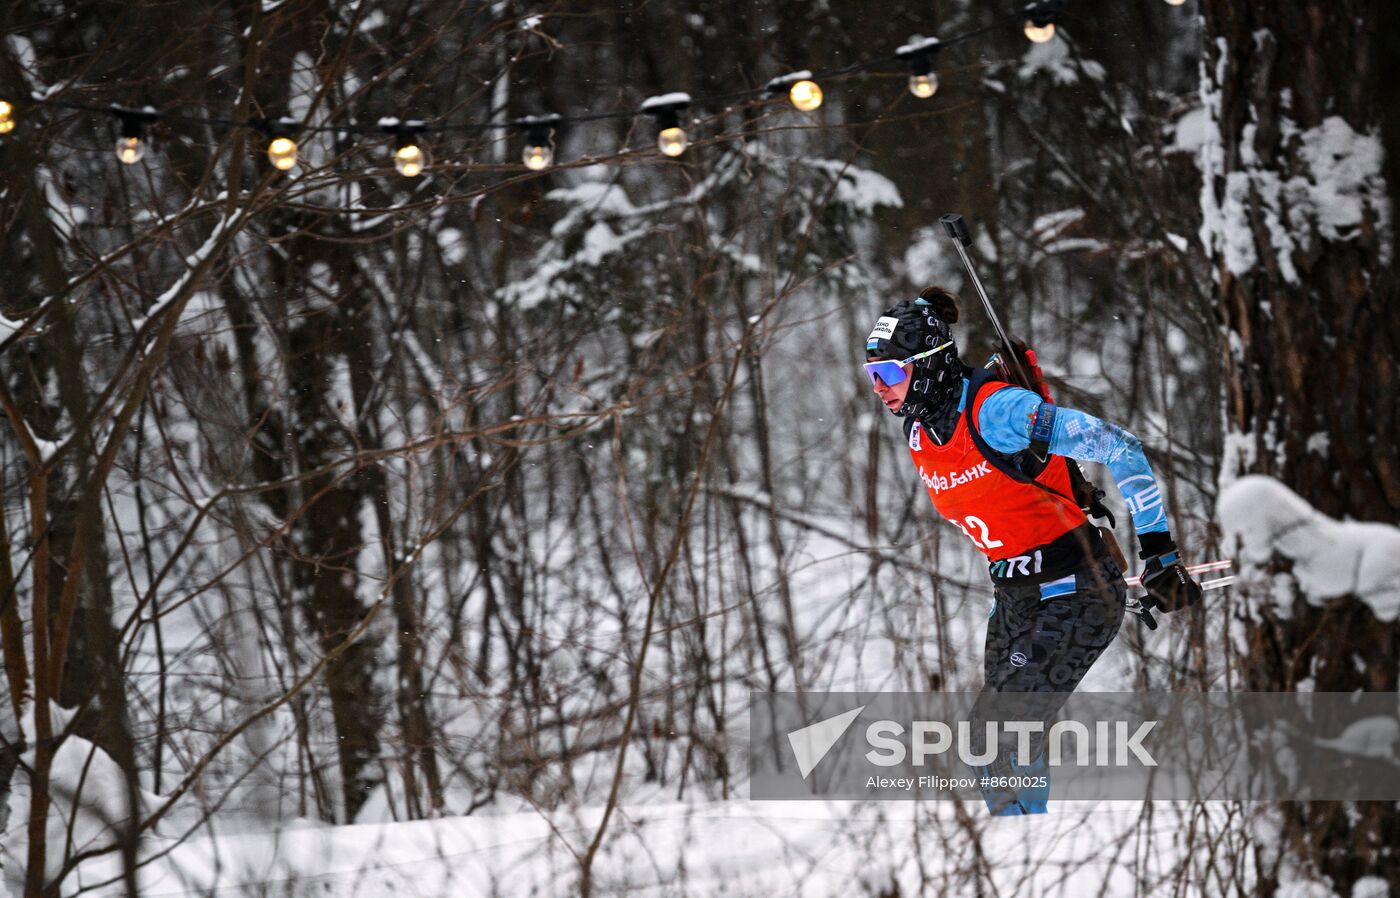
(992, 456)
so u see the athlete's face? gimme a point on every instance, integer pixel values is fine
(893, 396)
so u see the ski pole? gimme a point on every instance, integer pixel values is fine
(1205, 567)
(1144, 612)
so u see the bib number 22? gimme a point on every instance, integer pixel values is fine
(970, 523)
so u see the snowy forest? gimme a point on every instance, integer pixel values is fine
(372, 534)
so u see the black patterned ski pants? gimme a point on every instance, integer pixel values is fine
(1038, 644)
(1041, 641)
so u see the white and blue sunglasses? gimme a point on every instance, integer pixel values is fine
(891, 372)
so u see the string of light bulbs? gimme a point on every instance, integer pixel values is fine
(410, 158)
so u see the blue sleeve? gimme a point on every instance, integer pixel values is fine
(1005, 422)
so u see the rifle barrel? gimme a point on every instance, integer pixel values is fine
(986, 302)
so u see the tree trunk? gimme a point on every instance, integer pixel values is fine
(325, 541)
(1296, 214)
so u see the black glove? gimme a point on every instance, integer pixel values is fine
(1164, 576)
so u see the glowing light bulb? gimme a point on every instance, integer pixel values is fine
(131, 144)
(1039, 32)
(923, 86)
(7, 117)
(672, 141)
(538, 156)
(282, 153)
(1175, 2)
(919, 53)
(410, 160)
(130, 150)
(667, 109)
(805, 95)
(539, 141)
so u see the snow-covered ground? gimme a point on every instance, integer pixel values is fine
(736, 847)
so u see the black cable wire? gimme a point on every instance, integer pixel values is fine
(1050, 8)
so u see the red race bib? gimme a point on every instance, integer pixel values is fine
(1003, 516)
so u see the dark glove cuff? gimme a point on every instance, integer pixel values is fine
(1155, 544)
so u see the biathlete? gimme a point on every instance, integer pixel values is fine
(992, 456)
